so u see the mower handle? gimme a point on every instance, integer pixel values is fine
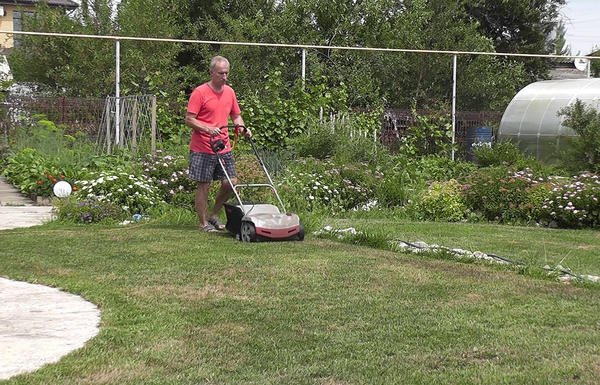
(236, 126)
(260, 161)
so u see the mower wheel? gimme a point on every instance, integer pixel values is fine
(301, 233)
(247, 232)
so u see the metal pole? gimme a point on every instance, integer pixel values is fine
(153, 126)
(303, 66)
(117, 90)
(453, 103)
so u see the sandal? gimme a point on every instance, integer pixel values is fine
(209, 228)
(216, 223)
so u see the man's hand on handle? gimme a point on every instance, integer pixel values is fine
(213, 131)
(244, 130)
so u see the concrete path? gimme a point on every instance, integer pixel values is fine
(38, 324)
(17, 210)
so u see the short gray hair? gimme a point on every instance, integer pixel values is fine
(215, 60)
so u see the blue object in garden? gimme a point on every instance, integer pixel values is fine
(478, 136)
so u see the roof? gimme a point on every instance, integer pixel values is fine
(53, 3)
(560, 73)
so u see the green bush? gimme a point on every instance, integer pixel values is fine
(43, 154)
(441, 168)
(500, 194)
(583, 152)
(443, 201)
(311, 184)
(87, 210)
(574, 203)
(169, 173)
(279, 112)
(131, 193)
(501, 154)
(428, 135)
(401, 180)
(319, 143)
(33, 173)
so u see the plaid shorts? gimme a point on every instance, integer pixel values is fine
(205, 167)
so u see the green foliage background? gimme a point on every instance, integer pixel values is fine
(86, 66)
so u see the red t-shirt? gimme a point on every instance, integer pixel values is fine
(213, 109)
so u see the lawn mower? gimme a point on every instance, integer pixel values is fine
(253, 222)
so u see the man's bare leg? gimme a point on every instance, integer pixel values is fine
(224, 193)
(201, 202)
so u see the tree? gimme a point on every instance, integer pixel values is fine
(584, 150)
(558, 42)
(370, 78)
(516, 26)
(72, 65)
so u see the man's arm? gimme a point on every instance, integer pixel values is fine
(238, 121)
(191, 121)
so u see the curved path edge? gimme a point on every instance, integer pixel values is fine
(39, 325)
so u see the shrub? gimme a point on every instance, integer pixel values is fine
(319, 143)
(87, 211)
(428, 135)
(280, 111)
(583, 153)
(574, 204)
(33, 173)
(500, 194)
(441, 168)
(249, 171)
(501, 153)
(442, 201)
(131, 193)
(401, 180)
(169, 173)
(311, 184)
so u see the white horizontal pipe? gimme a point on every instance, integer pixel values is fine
(297, 46)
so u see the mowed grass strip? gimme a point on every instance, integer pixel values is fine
(183, 307)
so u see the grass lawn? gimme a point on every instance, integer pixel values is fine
(183, 307)
(578, 250)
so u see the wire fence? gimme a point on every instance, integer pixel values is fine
(134, 125)
(471, 127)
(469, 124)
(95, 117)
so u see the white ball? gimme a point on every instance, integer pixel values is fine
(62, 189)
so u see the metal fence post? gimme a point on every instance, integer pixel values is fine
(453, 103)
(303, 66)
(117, 90)
(153, 126)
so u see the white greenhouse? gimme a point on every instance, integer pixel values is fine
(531, 119)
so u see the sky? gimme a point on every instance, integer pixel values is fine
(582, 22)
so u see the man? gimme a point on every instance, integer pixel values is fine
(209, 108)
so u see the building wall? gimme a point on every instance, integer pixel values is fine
(6, 24)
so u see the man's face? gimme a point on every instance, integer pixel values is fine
(219, 73)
